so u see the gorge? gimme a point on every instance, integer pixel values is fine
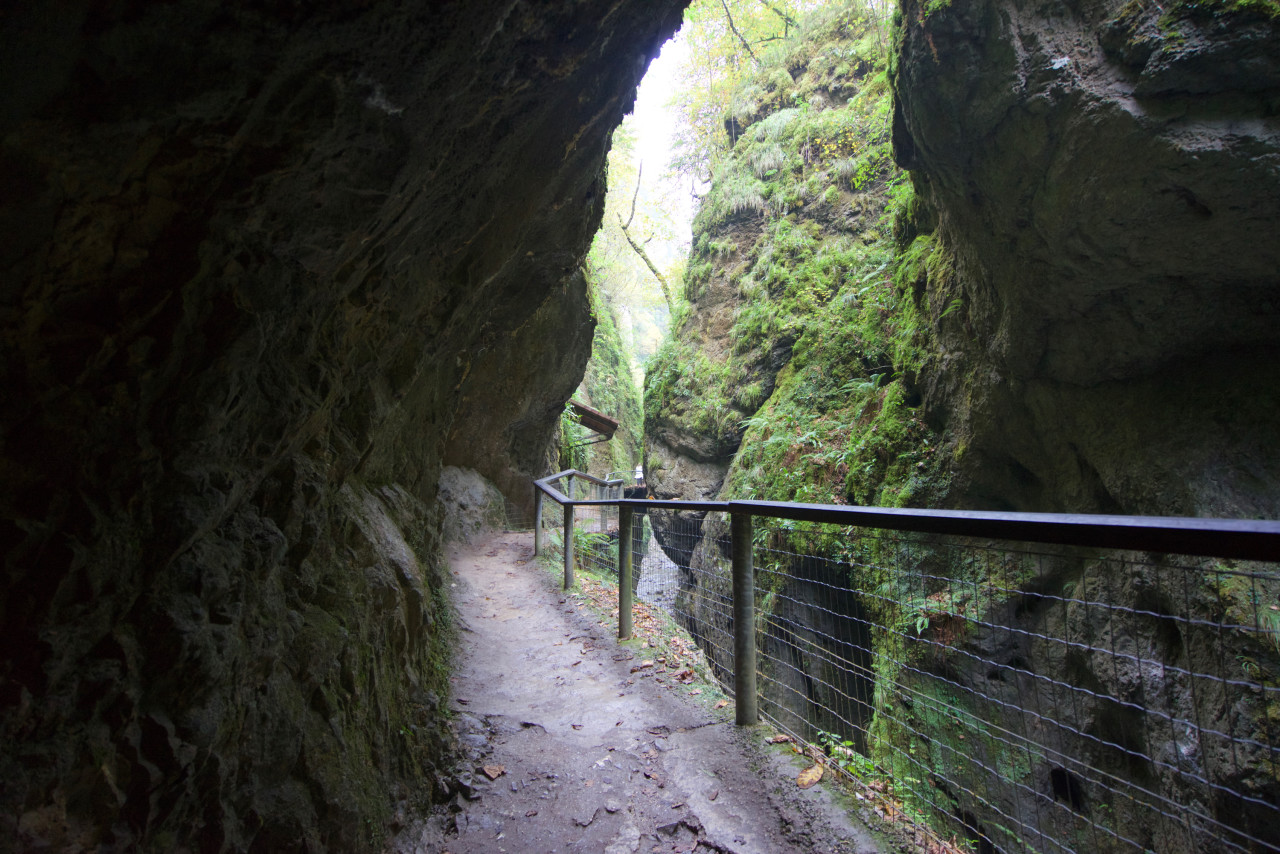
(269, 269)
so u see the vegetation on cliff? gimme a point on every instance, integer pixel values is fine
(803, 329)
(607, 385)
(994, 329)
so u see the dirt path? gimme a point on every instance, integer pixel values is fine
(590, 758)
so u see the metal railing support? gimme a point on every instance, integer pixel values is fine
(625, 520)
(537, 522)
(568, 546)
(744, 622)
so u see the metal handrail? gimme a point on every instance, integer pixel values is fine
(1240, 539)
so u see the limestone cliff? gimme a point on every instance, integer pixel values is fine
(267, 268)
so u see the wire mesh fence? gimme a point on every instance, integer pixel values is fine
(1031, 699)
(1010, 697)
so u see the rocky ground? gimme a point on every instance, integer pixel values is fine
(567, 749)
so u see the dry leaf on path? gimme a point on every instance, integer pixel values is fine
(778, 739)
(722, 704)
(493, 772)
(809, 776)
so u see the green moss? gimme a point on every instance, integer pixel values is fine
(607, 385)
(1269, 9)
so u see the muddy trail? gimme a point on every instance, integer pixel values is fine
(570, 750)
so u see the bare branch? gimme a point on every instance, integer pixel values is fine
(634, 196)
(638, 247)
(746, 44)
(644, 256)
(787, 20)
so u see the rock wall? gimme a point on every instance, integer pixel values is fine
(1075, 311)
(267, 269)
(1101, 181)
(1105, 179)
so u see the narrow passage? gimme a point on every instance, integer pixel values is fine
(586, 756)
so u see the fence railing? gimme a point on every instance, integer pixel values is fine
(1016, 682)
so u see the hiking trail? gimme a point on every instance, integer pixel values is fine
(568, 750)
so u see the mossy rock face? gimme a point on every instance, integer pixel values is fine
(1069, 306)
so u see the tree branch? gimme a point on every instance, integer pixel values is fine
(639, 248)
(644, 256)
(634, 196)
(787, 20)
(746, 44)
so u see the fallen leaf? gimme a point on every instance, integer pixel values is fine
(576, 726)
(715, 793)
(722, 704)
(778, 739)
(686, 676)
(530, 813)
(695, 692)
(493, 772)
(809, 777)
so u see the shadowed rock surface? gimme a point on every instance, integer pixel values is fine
(1105, 179)
(267, 268)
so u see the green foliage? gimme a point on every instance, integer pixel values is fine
(838, 278)
(715, 73)
(617, 270)
(820, 285)
(607, 385)
(593, 549)
(684, 385)
(842, 753)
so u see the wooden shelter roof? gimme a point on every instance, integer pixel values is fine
(593, 419)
